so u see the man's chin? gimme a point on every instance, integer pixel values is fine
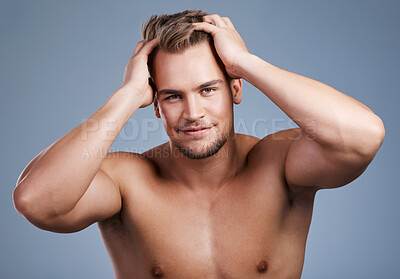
(200, 152)
(191, 154)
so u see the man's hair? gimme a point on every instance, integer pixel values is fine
(176, 33)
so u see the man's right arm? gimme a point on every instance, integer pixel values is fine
(67, 186)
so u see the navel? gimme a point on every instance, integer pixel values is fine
(262, 266)
(157, 272)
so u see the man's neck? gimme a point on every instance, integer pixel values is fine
(209, 173)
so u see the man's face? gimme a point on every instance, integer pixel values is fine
(194, 100)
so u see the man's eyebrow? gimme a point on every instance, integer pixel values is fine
(209, 83)
(206, 84)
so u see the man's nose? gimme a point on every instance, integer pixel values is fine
(194, 109)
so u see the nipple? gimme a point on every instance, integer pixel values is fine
(157, 272)
(262, 266)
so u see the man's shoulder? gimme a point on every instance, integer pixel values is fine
(120, 165)
(119, 158)
(270, 153)
(274, 146)
(246, 142)
(147, 157)
(281, 138)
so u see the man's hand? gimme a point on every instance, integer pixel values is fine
(228, 43)
(136, 75)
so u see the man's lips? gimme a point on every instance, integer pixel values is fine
(195, 128)
(194, 131)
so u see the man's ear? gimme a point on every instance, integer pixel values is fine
(236, 88)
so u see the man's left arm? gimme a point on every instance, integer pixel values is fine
(338, 136)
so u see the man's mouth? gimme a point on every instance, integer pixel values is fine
(195, 130)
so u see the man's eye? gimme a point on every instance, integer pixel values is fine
(175, 96)
(208, 90)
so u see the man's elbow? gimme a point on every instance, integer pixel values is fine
(19, 201)
(369, 145)
(31, 209)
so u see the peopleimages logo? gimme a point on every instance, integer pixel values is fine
(147, 128)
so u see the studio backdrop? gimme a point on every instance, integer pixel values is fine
(61, 60)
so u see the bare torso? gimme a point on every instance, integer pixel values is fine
(254, 226)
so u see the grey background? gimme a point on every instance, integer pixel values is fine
(61, 60)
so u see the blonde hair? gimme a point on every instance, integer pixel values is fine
(176, 33)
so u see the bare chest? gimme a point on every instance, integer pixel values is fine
(241, 232)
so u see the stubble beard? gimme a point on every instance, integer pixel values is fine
(210, 149)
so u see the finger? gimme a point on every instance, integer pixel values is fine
(215, 20)
(228, 22)
(149, 46)
(205, 26)
(138, 47)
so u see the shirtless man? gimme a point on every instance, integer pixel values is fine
(209, 203)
